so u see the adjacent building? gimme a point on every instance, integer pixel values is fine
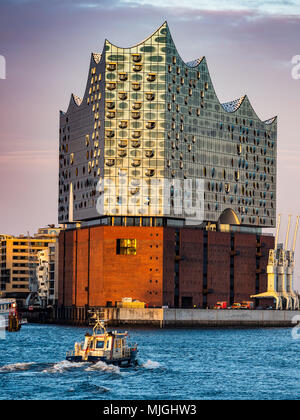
(163, 190)
(19, 260)
(47, 275)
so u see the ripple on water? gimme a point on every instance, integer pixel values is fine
(173, 364)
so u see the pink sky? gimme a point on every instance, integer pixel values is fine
(47, 48)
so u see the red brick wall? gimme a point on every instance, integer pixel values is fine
(191, 265)
(96, 278)
(81, 264)
(91, 273)
(218, 267)
(168, 266)
(139, 276)
(244, 266)
(94, 274)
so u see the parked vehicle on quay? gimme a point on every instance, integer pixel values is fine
(220, 305)
(236, 305)
(247, 305)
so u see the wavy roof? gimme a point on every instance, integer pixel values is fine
(230, 107)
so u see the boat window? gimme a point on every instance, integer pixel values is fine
(100, 344)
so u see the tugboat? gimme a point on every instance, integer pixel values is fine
(110, 347)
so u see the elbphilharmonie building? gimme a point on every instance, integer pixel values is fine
(153, 168)
(147, 122)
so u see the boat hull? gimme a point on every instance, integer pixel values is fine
(122, 362)
(95, 359)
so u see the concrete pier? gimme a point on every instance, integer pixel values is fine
(170, 317)
(201, 317)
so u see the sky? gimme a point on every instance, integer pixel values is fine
(46, 46)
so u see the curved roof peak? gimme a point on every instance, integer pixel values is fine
(234, 105)
(96, 57)
(76, 99)
(195, 63)
(270, 121)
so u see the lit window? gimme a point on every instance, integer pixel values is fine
(126, 246)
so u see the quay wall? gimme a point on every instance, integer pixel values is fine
(169, 317)
(202, 317)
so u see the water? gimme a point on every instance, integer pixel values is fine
(174, 364)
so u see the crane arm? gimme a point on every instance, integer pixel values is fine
(287, 233)
(295, 234)
(277, 232)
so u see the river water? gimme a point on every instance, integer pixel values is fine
(174, 364)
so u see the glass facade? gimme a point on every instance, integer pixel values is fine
(147, 121)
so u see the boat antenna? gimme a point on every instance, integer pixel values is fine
(99, 322)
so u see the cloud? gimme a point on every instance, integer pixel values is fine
(267, 6)
(248, 44)
(26, 159)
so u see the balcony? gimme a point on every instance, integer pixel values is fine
(136, 86)
(136, 162)
(122, 153)
(136, 58)
(151, 77)
(136, 115)
(150, 172)
(110, 105)
(123, 124)
(122, 96)
(137, 105)
(110, 134)
(123, 77)
(149, 153)
(150, 96)
(122, 143)
(110, 114)
(111, 66)
(110, 162)
(134, 191)
(137, 67)
(150, 125)
(135, 143)
(136, 134)
(111, 85)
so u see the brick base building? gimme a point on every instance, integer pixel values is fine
(183, 267)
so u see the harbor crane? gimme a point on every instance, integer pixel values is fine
(280, 271)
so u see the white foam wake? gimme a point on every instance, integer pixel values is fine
(102, 366)
(150, 364)
(15, 366)
(62, 366)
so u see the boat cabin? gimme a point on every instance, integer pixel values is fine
(112, 342)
